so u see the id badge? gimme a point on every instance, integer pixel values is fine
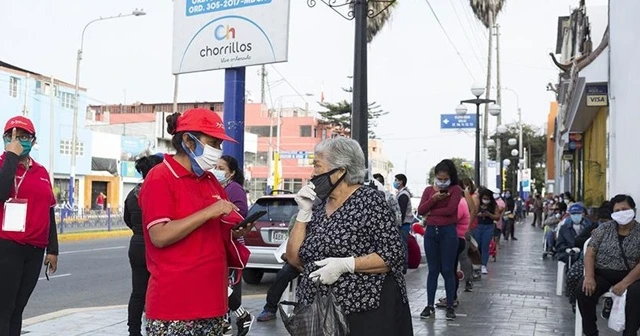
(15, 215)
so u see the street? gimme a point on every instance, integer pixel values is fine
(95, 273)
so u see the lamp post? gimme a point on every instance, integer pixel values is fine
(74, 130)
(520, 141)
(478, 90)
(359, 11)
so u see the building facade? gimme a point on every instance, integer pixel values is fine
(38, 97)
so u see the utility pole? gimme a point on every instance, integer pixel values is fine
(485, 123)
(52, 96)
(499, 102)
(175, 94)
(360, 105)
(263, 84)
(25, 108)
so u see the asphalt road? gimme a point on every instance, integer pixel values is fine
(95, 273)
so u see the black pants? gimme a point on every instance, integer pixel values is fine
(235, 299)
(509, 229)
(20, 267)
(393, 317)
(605, 279)
(537, 218)
(461, 244)
(139, 281)
(285, 275)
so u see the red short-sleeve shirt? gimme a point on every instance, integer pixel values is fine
(189, 279)
(34, 186)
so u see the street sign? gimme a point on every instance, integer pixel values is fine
(458, 121)
(597, 94)
(216, 34)
(296, 155)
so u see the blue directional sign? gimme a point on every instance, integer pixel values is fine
(458, 121)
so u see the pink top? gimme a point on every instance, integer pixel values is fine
(501, 205)
(463, 218)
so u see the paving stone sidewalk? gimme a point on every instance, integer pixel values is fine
(517, 297)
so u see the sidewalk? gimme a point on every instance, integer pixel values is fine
(516, 298)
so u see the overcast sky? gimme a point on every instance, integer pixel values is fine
(414, 72)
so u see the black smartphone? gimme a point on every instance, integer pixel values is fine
(254, 217)
(443, 191)
(47, 270)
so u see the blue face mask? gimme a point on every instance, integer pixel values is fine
(26, 146)
(220, 175)
(396, 184)
(576, 218)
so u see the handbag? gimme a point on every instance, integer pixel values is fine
(323, 317)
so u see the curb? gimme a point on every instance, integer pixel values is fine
(79, 236)
(65, 312)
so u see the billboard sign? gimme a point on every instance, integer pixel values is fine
(219, 34)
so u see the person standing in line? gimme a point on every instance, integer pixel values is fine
(406, 213)
(509, 217)
(439, 204)
(497, 232)
(488, 212)
(139, 274)
(186, 238)
(537, 211)
(27, 223)
(231, 177)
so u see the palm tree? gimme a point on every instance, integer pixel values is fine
(382, 9)
(487, 11)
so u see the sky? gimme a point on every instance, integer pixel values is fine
(414, 71)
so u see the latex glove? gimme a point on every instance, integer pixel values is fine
(332, 268)
(305, 198)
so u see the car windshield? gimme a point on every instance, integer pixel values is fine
(278, 209)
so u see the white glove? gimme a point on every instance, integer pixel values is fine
(332, 268)
(305, 198)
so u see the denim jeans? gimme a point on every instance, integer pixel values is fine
(441, 247)
(483, 235)
(404, 235)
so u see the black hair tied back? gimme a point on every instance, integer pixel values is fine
(172, 122)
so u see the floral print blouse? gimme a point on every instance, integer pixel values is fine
(605, 242)
(364, 224)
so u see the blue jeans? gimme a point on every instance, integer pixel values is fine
(483, 234)
(404, 235)
(441, 248)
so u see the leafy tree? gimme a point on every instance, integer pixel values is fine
(465, 169)
(339, 114)
(536, 145)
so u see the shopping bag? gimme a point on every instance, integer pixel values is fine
(323, 317)
(617, 317)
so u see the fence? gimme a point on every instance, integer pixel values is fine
(74, 220)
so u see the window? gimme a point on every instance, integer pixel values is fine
(262, 158)
(65, 148)
(305, 131)
(67, 100)
(14, 85)
(324, 134)
(292, 185)
(262, 131)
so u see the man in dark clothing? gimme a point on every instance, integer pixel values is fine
(509, 219)
(537, 211)
(573, 226)
(406, 212)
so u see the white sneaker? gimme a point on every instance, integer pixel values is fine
(484, 270)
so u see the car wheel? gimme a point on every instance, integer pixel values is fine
(252, 276)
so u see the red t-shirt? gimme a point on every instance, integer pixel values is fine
(100, 200)
(35, 187)
(189, 279)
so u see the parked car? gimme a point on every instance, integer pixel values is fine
(270, 231)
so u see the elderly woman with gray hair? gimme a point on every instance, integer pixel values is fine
(346, 236)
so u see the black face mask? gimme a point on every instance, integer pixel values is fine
(323, 185)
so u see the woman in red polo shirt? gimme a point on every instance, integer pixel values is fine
(182, 203)
(27, 223)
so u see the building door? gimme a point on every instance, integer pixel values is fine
(98, 187)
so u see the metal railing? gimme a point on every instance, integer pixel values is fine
(77, 220)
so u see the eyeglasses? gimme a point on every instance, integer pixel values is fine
(21, 137)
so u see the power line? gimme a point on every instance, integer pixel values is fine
(450, 41)
(466, 36)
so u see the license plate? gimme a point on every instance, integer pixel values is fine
(278, 237)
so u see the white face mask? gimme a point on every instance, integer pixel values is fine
(623, 217)
(203, 158)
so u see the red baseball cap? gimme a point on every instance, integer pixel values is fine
(20, 122)
(204, 121)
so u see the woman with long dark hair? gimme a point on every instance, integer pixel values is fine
(231, 177)
(488, 212)
(439, 204)
(139, 274)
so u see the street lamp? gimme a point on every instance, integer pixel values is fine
(477, 91)
(491, 143)
(360, 12)
(514, 152)
(506, 162)
(501, 129)
(74, 130)
(512, 142)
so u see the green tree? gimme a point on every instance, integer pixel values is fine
(339, 114)
(536, 145)
(465, 169)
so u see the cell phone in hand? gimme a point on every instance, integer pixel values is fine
(47, 270)
(249, 220)
(444, 191)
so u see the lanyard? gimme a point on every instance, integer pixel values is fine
(17, 184)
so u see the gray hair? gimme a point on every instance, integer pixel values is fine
(341, 152)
